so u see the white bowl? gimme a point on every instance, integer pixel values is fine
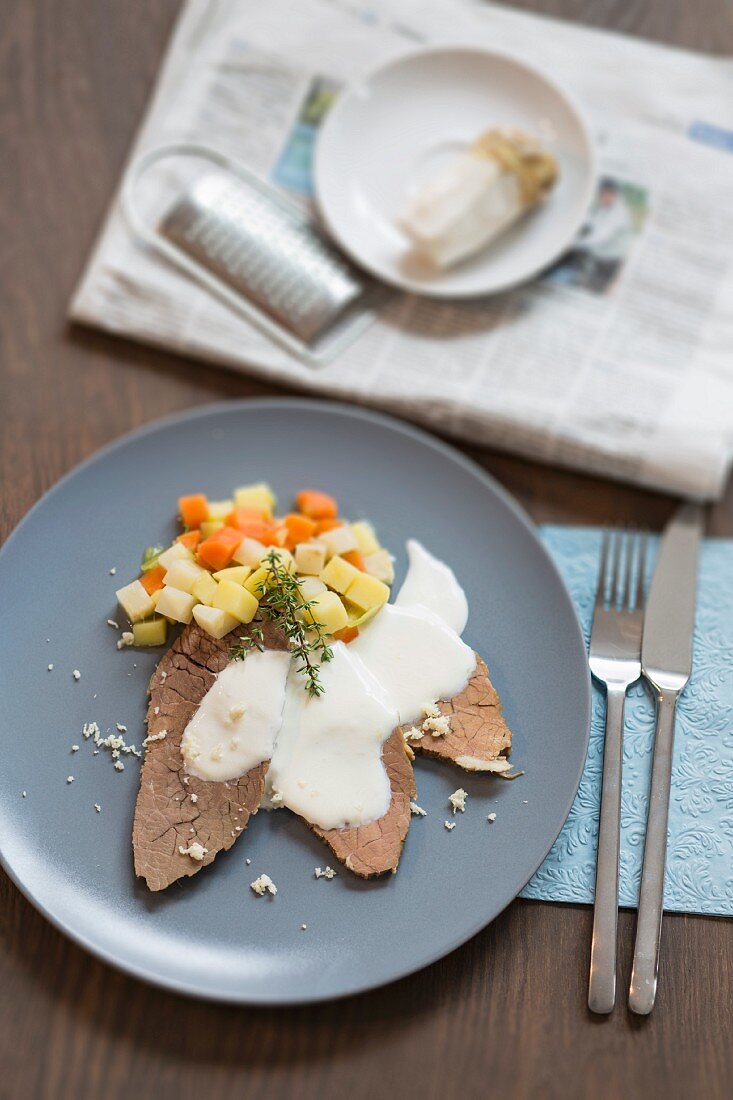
(390, 132)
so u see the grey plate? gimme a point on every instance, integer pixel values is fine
(211, 936)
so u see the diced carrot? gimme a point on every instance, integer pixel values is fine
(355, 558)
(347, 634)
(217, 550)
(194, 509)
(153, 579)
(191, 539)
(317, 505)
(275, 535)
(298, 529)
(327, 525)
(249, 523)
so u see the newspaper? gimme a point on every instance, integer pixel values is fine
(617, 361)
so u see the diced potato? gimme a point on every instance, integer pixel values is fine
(328, 611)
(366, 539)
(204, 588)
(156, 596)
(310, 587)
(183, 574)
(339, 541)
(367, 592)
(214, 621)
(249, 552)
(310, 557)
(339, 574)
(259, 497)
(220, 509)
(135, 601)
(176, 552)
(151, 632)
(210, 526)
(284, 558)
(236, 573)
(236, 601)
(175, 604)
(256, 581)
(379, 565)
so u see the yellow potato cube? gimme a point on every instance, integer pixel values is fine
(310, 557)
(284, 558)
(364, 534)
(175, 604)
(339, 574)
(204, 588)
(367, 592)
(183, 574)
(310, 587)
(176, 552)
(151, 632)
(259, 496)
(257, 581)
(249, 552)
(209, 526)
(379, 565)
(220, 509)
(214, 621)
(236, 573)
(236, 601)
(328, 611)
(339, 541)
(135, 602)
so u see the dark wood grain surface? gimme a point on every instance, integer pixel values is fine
(503, 1016)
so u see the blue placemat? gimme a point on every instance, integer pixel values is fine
(700, 856)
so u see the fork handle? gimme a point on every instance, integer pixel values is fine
(602, 982)
(643, 988)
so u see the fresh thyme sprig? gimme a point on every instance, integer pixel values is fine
(282, 604)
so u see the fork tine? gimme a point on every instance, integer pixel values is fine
(602, 563)
(632, 545)
(617, 543)
(641, 576)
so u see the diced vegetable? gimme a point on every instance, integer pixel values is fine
(328, 611)
(367, 592)
(317, 505)
(236, 601)
(204, 588)
(283, 557)
(236, 573)
(150, 632)
(219, 509)
(218, 549)
(211, 527)
(150, 558)
(310, 587)
(153, 579)
(310, 557)
(339, 575)
(327, 525)
(275, 535)
(214, 621)
(175, 604)
(183, 575)
(355, 558)
(259, 496)
(361, 618)
(135, 601)
(366, 539)
(380, 565)
(346, 634)
(176, 552)
(338, 541)
(298, 529)
(194, 510)
(249, 523)
(249, 552)
(257, 581)
(190, 539)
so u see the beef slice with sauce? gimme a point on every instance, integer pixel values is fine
(174, 809)
(478, 738)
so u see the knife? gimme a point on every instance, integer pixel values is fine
(666, 661)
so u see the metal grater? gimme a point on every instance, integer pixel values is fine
(259, 251)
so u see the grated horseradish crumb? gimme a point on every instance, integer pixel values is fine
(126, 638)
(458, 800)
(439, 726)
(449, 825)
(263, 885)
(76, 674)
(417, 811)
(195, 850)
(327, 872)
(491, 818)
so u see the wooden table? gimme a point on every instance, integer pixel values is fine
(504, 1015)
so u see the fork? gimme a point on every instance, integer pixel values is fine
(615, 661)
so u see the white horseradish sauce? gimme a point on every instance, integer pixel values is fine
(327, 759)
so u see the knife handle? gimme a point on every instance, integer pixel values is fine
(643, 988)
(602, 981)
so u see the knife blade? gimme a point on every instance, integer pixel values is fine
(669, 619)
